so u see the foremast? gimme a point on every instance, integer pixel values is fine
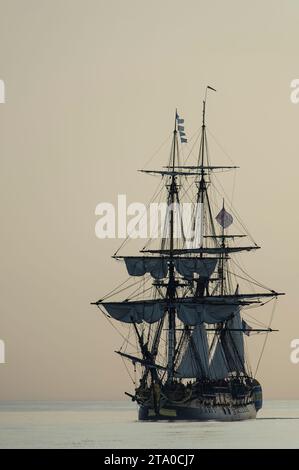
(171, 287)
(202, 184)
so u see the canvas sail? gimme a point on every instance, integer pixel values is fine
(187, 267)
(229, 352)
(195, 361)
(158, 268)
(196, 313)
(234, 344)
(138, 266)
(135, 312)
(151, 311)
(218, 366)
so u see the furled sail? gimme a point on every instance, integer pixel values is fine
(195, 361)
(196, 313)
(157, 266)
(229, 352)
(150, 311)
(204, 267)
(135, 312)
(139, 266)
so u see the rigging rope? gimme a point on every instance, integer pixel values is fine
(234, 211)
(158, 190)
(266, 338)
(248, 280)
(128, 371)
(196, 134)
(116, 329)
(157, 151)
(115, 288)
(253, 280)
(136, 295)
(220, 146)
(122, 290)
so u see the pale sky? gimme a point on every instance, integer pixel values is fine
(91, 88)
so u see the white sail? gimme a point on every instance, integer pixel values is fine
(218, 366)
(195, 361)
(229, 352)
(198, 225)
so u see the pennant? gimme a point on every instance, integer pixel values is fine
(210, 88)
(224, 218)
(181, 129)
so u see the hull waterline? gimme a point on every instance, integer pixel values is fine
(198, 413)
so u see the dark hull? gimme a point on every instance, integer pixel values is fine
(216, 404)
(200, 412)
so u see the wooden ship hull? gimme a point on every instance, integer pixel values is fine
(198, 412)
(217, 405)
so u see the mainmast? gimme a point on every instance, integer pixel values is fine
(223, 258)
(202, 145)
(201, 186)
(171, 288)
(201, 196)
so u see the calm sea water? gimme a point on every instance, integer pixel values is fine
(114, 425)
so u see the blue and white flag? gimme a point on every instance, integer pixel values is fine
(181, 129)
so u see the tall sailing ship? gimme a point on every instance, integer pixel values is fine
(184, 313)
